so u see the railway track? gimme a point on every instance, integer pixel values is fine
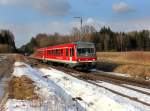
(96, 75)
(121, 94)
(91, 81)
(104, 76)
(124, 82)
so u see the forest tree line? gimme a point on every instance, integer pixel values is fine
(7, 42)
(105, 39)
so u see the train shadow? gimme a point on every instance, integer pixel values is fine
(106, 66)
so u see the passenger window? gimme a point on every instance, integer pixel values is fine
(66, 52)
(49, 52)
(61, 51)
(52, 52)
(71, 52)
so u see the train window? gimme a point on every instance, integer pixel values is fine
(67, 52)
(49, 52)
(85, 51)
(57, 52)
(71, 52)
(92, 50)
(61, 52)
(79, 51)
(53, 52)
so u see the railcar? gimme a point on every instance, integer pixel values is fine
(77, 54)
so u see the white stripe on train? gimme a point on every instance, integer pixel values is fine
(63, 61)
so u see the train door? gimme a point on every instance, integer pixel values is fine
(71, 54)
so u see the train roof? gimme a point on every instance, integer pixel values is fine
(80, 42)
(67, 44)
(73, 43)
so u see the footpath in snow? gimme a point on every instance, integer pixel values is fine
(2, 84)
(61, 92)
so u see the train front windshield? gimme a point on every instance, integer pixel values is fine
(85, 51)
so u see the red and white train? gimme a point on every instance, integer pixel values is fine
(77, 54)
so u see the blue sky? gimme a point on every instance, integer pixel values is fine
(26, 18)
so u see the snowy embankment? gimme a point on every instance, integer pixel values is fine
(59, 90)
(94, 98)
(128, 90)
(110, 73)
(53, 98)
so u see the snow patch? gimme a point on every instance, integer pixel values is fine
(70, 94)
(50, 93)
(111, 73)
(126, 91)
(93, 97)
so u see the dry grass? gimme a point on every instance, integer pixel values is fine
(138, 58)
(133, 63)
(22, 88)
(134, 70)
(18, 57)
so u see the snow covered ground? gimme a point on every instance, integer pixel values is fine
(138, 88)
(94, 98)
(111, 73)
(61, 92)
(53, 98)
(129, 92)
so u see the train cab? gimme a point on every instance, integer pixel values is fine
(86, 54)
